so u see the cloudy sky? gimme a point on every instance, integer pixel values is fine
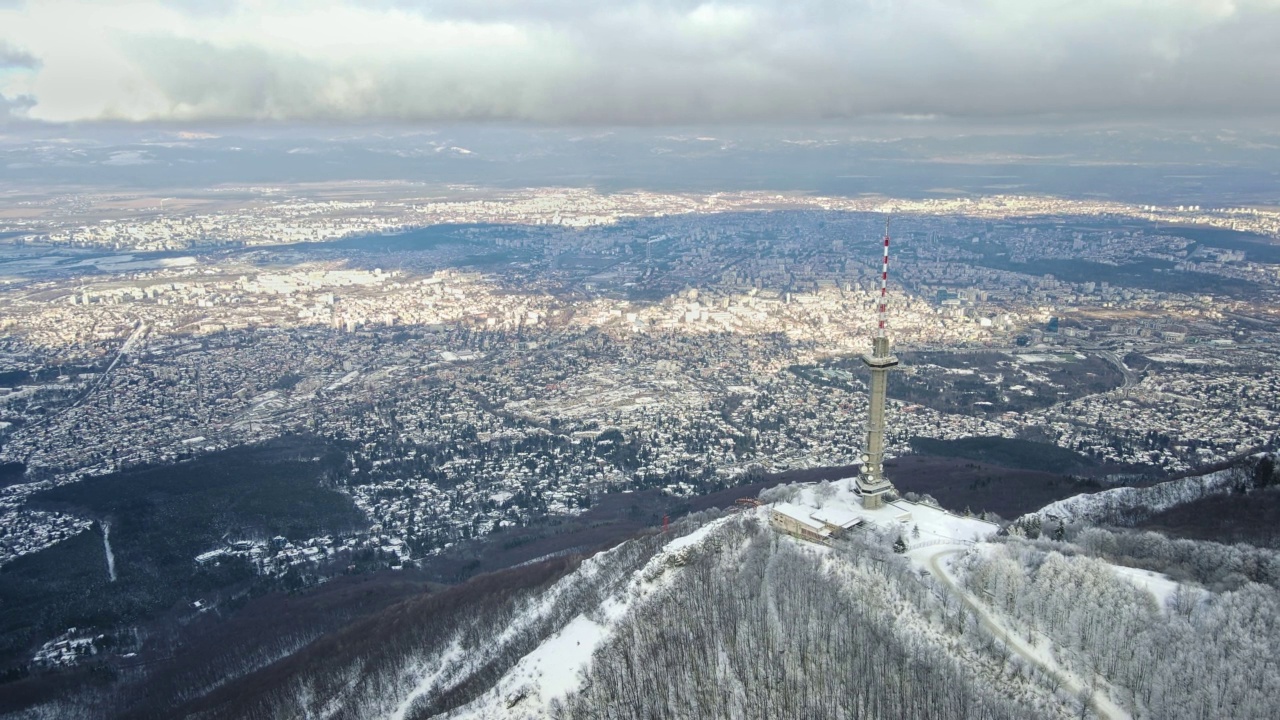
(634, 61)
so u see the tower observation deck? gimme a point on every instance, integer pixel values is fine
(871, 482)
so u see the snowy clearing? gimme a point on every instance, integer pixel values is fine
(1158, 584)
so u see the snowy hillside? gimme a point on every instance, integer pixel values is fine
(1128, 504)
(914, 613)
(547, 681)
(1151, 647)
(556, 667)
(738, 620)
(907, 611)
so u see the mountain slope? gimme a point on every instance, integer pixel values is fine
(723, 617)
(736, 620)
(916, 613)
(1126, 505)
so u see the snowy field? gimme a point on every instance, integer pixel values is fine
(1158, 584)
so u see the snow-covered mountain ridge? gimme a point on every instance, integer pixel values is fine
(735, 619)
(1125, 505)
(1122, 503)
(539, 685)
(910, 612)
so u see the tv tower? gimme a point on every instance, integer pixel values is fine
(871, 481)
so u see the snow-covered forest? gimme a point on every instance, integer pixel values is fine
(724, 616)
(759, 626)
(1181, 652)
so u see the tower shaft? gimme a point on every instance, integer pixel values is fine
(875, 421)
(871, 482)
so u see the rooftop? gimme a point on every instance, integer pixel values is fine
(815, 503)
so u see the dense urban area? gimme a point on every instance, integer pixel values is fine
(485, 360)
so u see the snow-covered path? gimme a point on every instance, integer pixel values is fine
(1099, 701)
(106, 545)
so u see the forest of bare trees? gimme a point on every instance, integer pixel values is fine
(758, 626)
(741, 622)
(1203, 655)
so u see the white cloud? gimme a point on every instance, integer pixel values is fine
(128, 157)
(640, 61)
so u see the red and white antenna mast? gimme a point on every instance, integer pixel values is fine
(884, 281)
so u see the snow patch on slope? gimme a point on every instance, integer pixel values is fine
(554, 665)
(1158, 584)
(106, 544)
(432, 674)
